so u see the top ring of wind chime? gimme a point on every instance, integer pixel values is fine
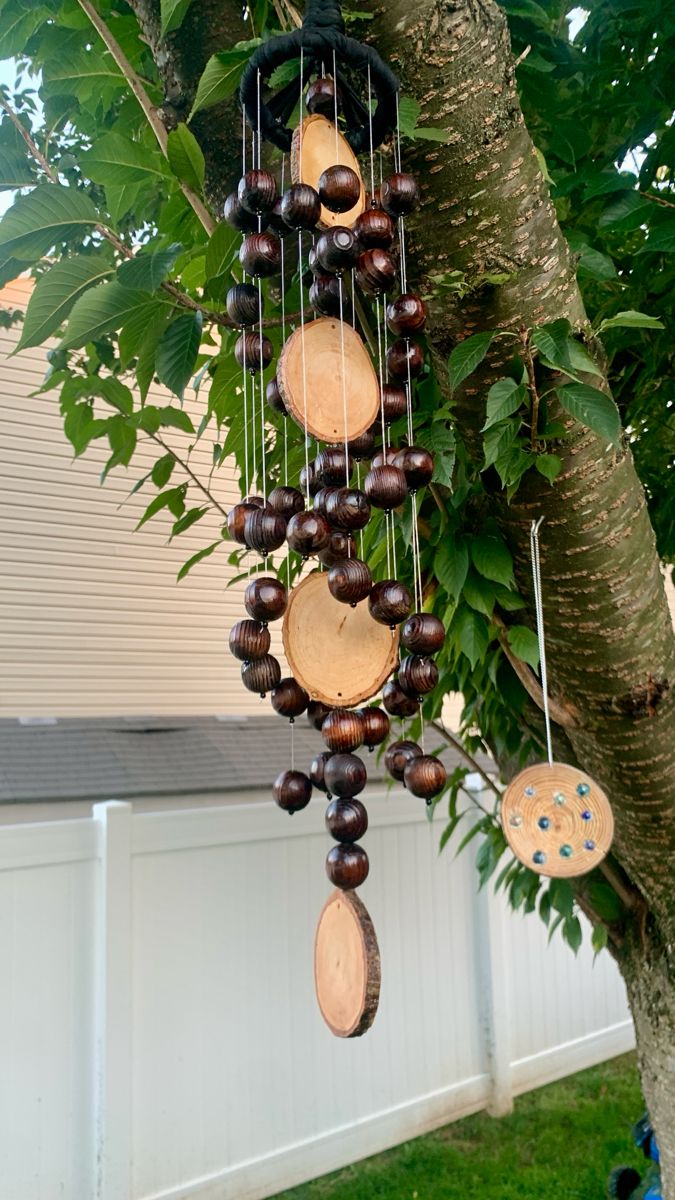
(348, 634)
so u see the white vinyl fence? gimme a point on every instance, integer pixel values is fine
(158, 1031)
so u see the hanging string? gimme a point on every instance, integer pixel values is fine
(262, 394)
(539, 612)
(344, 382)
(380, 368)
(370, 137)
(335, 107)
(304, 366)
(358, 484)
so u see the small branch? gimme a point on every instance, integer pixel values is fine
(657, 199)
(628, 896)
(188, 471)
(36, 153)
(532, 388)
(475, 766)
(562, 714)
(293, 18)
(588, 911)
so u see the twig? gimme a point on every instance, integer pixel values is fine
(188, 471)
(657, 199)
(563, 715)
(454, 741)
(532, 388)
(293, 14)
(628, 897)
(596, 919)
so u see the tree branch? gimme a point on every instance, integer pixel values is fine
(188, 471)
(562, 714)
(475, 766)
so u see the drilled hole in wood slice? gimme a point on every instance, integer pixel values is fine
(338, 654)
(321, 380)
(314, 148)
(346, 966)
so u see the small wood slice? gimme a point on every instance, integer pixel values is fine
(313, 150)
(321, 380)
(557, 820)
(346, 966)
(338, 654)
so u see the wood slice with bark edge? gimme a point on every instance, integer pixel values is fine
(346, 965)
(550, 793)
(321, 380)
(338, 654)
(314, 150)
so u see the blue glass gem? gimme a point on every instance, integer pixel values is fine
(543, 822)
(558, 798)
(586, 815)
(565, 851)
(583, 789)
(529, 791)
(589, 845)
(539, 857)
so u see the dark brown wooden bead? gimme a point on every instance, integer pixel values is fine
(289, 699)
(275, 220)
(385, 457)
(261, 674)
(389, 602)
(249, 640)
(317, 769)
(417, 675)
(286, 501)
(292, 790)
(321, 500)
(345, 774)
(374, 229)
(363, 446)
(406, 314)
(405, 358)
(347, 508)
(417, 465)
(238, 217)
(320, 97)
(399, 194)
(340, 547)
(332, 468)
(339, 188)
(314, 266)
(308, 532)
(236, 520)
(257, 191)
(376, 271)
(396, 702)
(273, 397)
(260, 254)
(386, 487)
(350, 581)
(252, 351)
(264, 530)
(425, 776)
(256, 501)
(423, 633)
(346, 820)
(376, 726)
(398, 755)
(347, 866)
(337, 249)
(300, 206)
(265, 598)
(324, 295)
(242, 304)
(310, 476)
(374, 200)
(342, 731)
(317, 713)
(394, 402)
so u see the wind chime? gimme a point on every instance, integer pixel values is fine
(347, 636)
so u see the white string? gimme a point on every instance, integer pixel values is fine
(262, 393)
(304, 364)
(245, 430)
(292, 723)
(370, 133)
(344, 382)
(335, 106)
(539, 612)
(302, 77)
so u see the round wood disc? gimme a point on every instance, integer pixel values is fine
(346, 965)
(312, 364)
(316, 147)
(337, 653)
(557, 820)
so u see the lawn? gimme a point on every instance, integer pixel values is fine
(559, 1144)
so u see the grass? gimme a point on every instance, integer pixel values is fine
(559, 1144)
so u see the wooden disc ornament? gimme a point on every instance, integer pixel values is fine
(317, 146)
(557, 820)
(346, 965)
(314, 364)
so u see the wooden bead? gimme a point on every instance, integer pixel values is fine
(399, 194)
(292, 790)
(376, 726)
(320, 97)
(417, 675)
(288, 698)
(300, 206)
(342, 731)
(242, 304)
(425, 776)
(286, 501)
(312, 263)
(423, 633)
(347, 508)
(337, 249)
(309, 480)
(275, 220)
(385, 457)
(257, 191)
(339, 188)
(321, 500)
(260, 254)
(324, 295)
(394, 402)
(347, 866)
(317, 769)
(317, 713)
(261, 674)
(396, 702)
(340, 547)
(236, 519)
(389, 602)
(363, 446)
(252, 351)
(249, 640)
(273, 397)
(386, 487)
(374, 229)
(238, 217)
(346, 820)
(406, 314)
(308, 533)
(405, 358)
(417, 465)
(265, 598)
(264, 530)
(345, 774)
(256, 501)
(376, 271)
(350, 581)
(332, 467)
(398, 755)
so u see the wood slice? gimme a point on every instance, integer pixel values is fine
(314, 150)
(557, 820)
(346, 966)
(338, 654)
(320, 380)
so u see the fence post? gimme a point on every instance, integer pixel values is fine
(112, 1004)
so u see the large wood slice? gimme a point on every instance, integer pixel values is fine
(321, 383)
(338, 654)
(346, 965)
(313, 150)
(557, 820)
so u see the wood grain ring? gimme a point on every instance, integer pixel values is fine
(346, 965)
(319, 379)
(557, 820)
(314, 147)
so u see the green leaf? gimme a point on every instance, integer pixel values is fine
(101, 310)
(596, 264)
(140, 326)
(599, 938)
(177, 352)
(196, 558)
(451, 563)
(147, 271)
(173, 13)
(409, 111)
(47, 215)
(593, 408)
(524, 644)
(492, 558)
(427, 133)
(56, 292)
(122, 198)
(551, 342)
(548, 465)
(661, 239)
(221, 76)
(572, 932)
(630, 320)
(499, 440)
(479, 593)
(467, 356)
(528, 10)
(176, 418)
(15, 170)
(604, 900)
(185, 157)
(170, 499)
(161, 472)
(628, 212)
(116, 160)
(188, 519)
(221, 248)
(504, 398)
(471, 634)
(561, 897)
